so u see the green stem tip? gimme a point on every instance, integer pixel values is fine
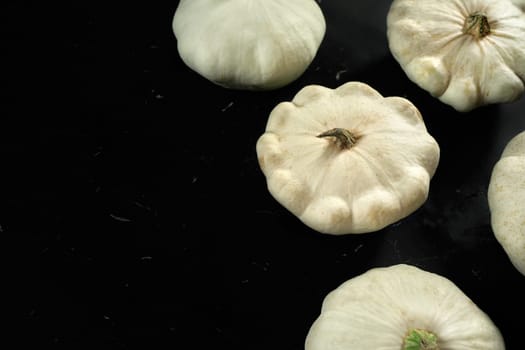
(343, 137)
(420, 339)
(477, 25)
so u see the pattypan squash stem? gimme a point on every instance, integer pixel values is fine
(343, 137)
(420, 339)
(477, 25)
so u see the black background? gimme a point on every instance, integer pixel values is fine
(134, 213)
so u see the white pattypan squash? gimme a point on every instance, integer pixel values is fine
(401, 307)
(467, 53)
(519, 3)
(347, 160)
(249, 44)
(506, 199)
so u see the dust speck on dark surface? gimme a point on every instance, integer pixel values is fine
(135, 211)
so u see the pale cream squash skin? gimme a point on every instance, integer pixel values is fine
(377, 309)
(249, 44)
(462, 69)
(519, 3)
(506, 198)
(382, 178)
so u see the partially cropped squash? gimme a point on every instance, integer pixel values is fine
(466, 53)
(347, 160)
(506, 199)
(249, 44)
(401, 307)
